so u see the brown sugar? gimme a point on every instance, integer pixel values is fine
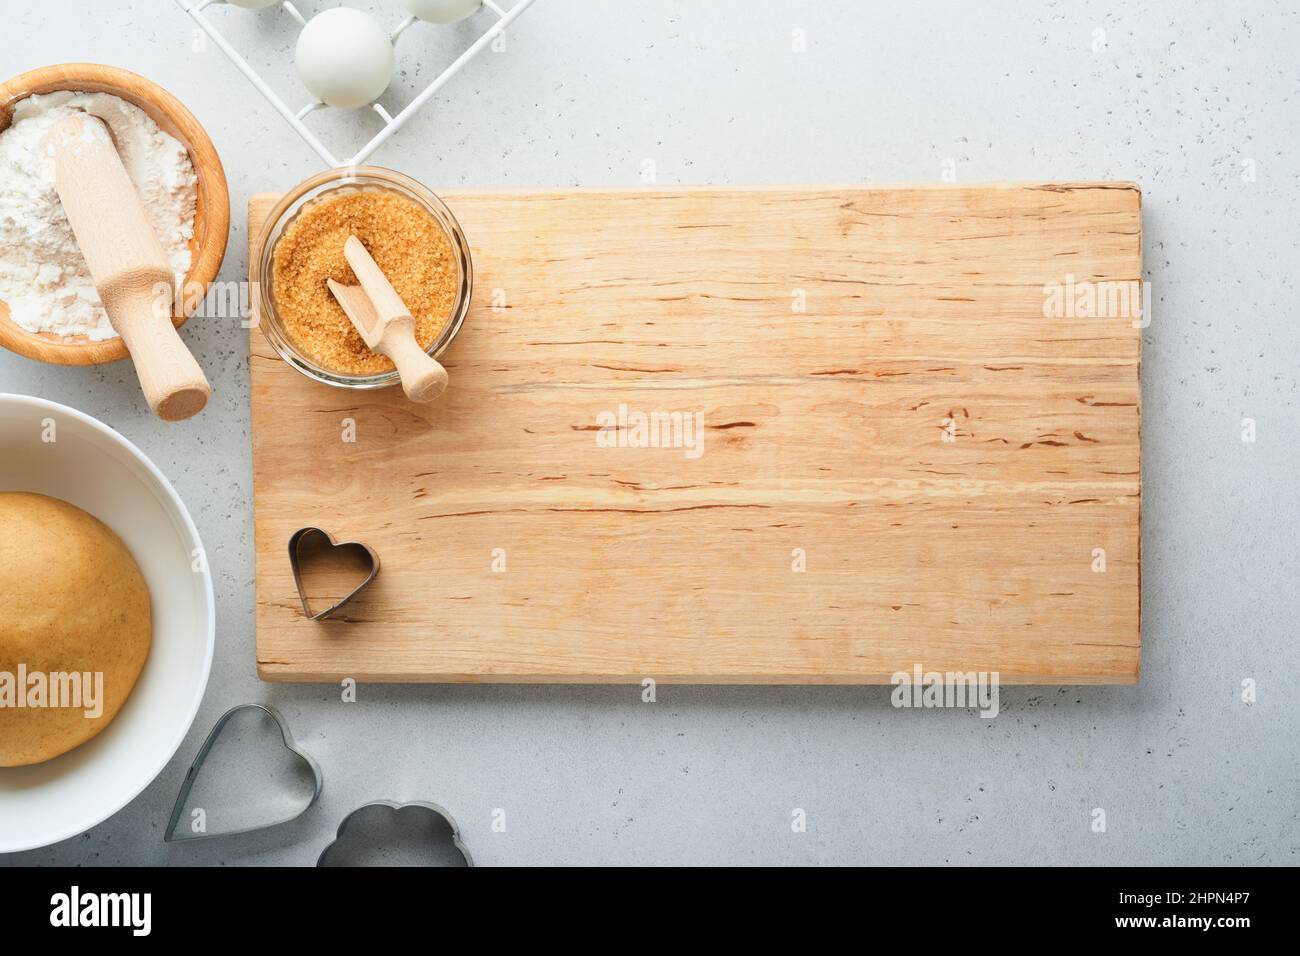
(407, 243)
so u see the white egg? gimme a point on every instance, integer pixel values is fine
(254, 4)
(344, 57)
(442, 11)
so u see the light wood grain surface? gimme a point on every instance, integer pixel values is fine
(212, 211)
(824, 435)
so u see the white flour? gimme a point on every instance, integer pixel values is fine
(43, 277)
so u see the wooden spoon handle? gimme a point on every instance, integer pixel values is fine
(423, 377)
(388, 304)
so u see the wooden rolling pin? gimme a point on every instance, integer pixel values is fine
(127, 264)
(386, 324)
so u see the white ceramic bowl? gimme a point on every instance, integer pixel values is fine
(96, 469)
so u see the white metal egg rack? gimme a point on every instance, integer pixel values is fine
(391, 123)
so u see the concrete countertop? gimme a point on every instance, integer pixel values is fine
(1200, 106)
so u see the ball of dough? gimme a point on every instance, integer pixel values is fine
(442, 11)
(344, 57)
(75, 602)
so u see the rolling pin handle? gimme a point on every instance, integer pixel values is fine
(126, 263)
(170, 378)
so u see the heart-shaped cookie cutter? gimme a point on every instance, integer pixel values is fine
(192, 775)
(295, 562)
(335, 855)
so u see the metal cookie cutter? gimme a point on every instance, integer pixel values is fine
(437, 831)
(191, 777)
(295, 562)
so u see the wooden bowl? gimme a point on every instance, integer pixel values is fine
(211, 217)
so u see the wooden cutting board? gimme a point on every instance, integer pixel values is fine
(904, 459)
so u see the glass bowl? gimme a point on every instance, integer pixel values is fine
(326, 184)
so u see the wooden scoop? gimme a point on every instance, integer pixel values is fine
(386, 324)
(126, 262)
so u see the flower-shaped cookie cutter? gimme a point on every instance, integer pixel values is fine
(336, 854)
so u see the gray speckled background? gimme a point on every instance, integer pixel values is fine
(1180, 95)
